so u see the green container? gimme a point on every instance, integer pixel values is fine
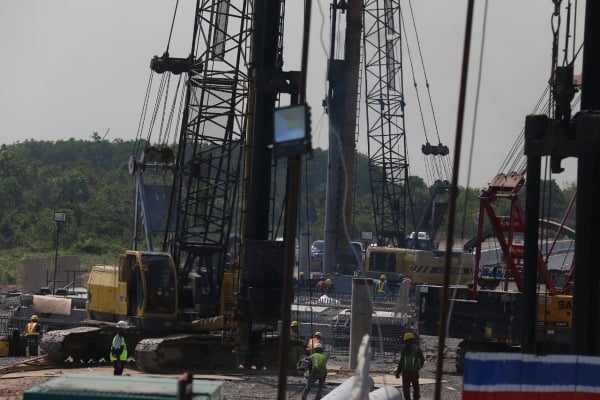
(120, 387)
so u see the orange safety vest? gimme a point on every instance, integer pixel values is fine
(323, 287)
(32, 329)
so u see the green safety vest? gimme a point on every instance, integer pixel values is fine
(319, 363)
(410, 360)
(113, 349)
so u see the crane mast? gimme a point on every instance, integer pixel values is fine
(384, 99)
(234, 79)
(208, 173)
(197, 209)
(385, 125)
(341, 102)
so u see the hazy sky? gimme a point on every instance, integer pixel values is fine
(74, 67)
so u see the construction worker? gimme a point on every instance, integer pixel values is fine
(325, 286)
(411, 361)
(407, 281)
(32, 335)
(294, 330)
(382, 288)
(317, 338)
(317, 371)
(118, 349)
(301, 280)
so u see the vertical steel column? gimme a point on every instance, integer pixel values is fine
(586, 302)
(266, 28)
(55, 256)
(535, 126)
(343, 92)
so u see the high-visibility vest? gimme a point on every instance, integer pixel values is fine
(119, 344)
(31, 329)
(381, 286)
(411, 358)
(319, 363)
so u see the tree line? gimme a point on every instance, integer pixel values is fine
(89, 181)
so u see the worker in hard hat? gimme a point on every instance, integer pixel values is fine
(32, 335)
(382, 288)
(294, 330)
(317, 371)
(325, 286)
(317, 338)
(301, 280)
(118, 348)
(411, 361)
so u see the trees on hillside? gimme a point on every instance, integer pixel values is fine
(89, 181)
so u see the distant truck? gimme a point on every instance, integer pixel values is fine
(421, 266)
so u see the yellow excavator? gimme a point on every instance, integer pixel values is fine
(420, 266)
(142, 288)
(416, 256)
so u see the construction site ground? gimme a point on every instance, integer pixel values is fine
(19, 374)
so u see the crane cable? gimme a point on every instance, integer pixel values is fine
(546, 187)
(142, 119)
(475, 113)
(452, 204)
(445, 160)
(162, 89)
(435, 169)
(172, 25)
(137, 143)
(515, 160)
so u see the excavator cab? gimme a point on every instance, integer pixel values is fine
(141, 288)
(160, 294)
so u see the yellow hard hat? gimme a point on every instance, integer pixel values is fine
(382, 276)
(328, 281)
(408, 336)
(294, 323)
(318, 334)
(34, 317)
(301, 273)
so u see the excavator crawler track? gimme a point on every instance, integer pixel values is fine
(199, 352)
(79, 344)
(176, 352)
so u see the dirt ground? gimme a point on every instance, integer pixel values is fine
(259, 384)
(256, 385)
